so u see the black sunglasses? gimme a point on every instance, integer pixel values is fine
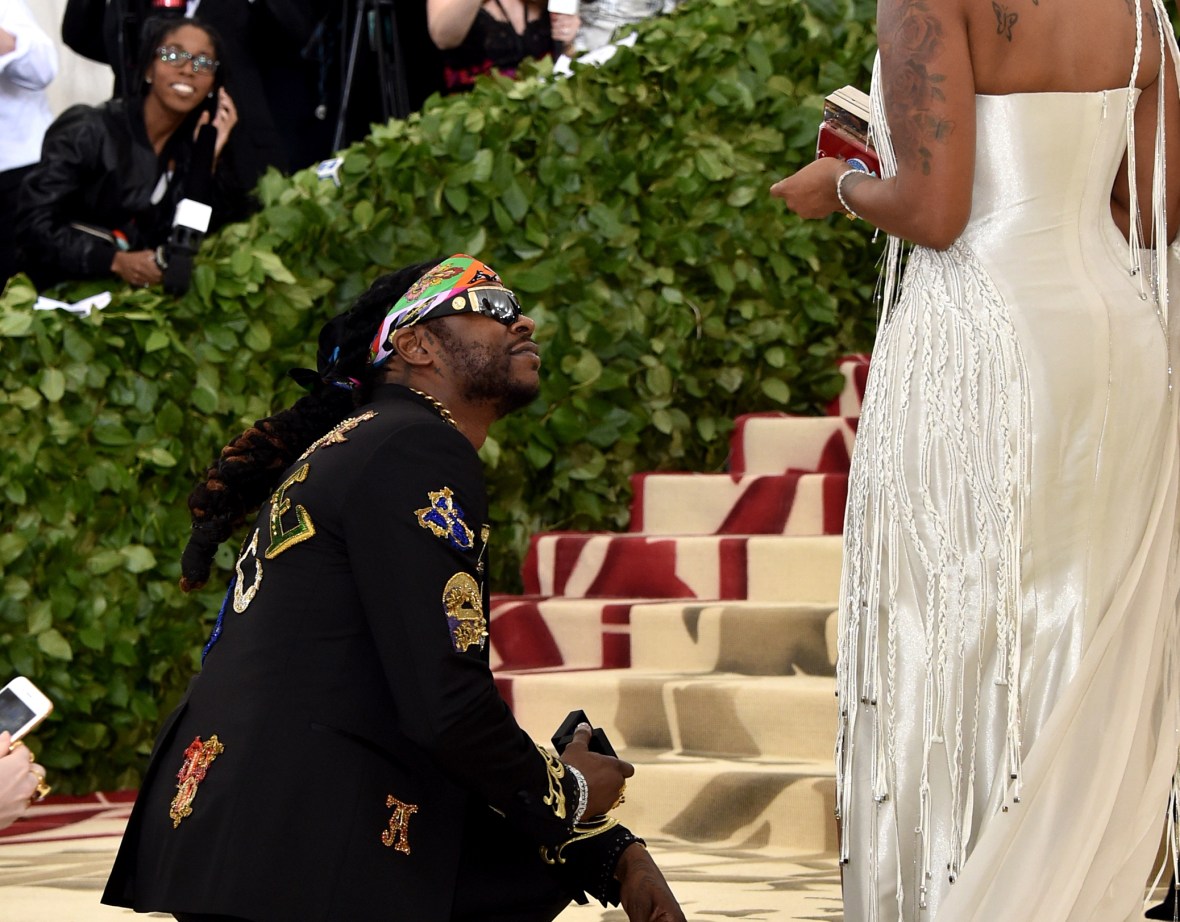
(498, 303)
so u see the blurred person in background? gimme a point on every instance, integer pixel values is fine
(28, 64)
(276, 67)
(600, 18)
(101, 201)
(479, 36)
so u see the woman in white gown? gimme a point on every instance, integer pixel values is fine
(1009, 677)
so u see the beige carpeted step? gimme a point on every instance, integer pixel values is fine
(720, 504)
(773, 443)
(733, 804)
(794, 569)
(750, 638)
(716, 715)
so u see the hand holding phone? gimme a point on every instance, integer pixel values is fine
(22, 707)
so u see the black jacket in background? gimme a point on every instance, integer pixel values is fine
(97, 174)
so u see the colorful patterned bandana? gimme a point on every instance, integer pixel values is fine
(441, 285)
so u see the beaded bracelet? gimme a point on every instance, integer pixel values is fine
(840, 191)
(583, 792)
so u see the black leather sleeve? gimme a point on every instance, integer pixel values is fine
(82, 29)
(424, 598)
(590, 856)
(70, 156)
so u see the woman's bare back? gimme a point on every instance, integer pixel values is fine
(1030, 46)
(1027, 46)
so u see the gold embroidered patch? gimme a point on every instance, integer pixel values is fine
(444, 519)
(197, 759)
(397, 836)
(303, 528)
(335, 436)
(556, 796)
(243, 597)
(464, 604)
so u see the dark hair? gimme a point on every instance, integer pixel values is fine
(153, 35)
(248, 469)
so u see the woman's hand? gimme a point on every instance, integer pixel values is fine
(811, 193)
(605, 777)
(564, 27)
(137, 267)
(19, 779)
(645, 895)
(223, 121)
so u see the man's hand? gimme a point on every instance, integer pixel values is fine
(605, 777)
(645, 895)
(137, 267)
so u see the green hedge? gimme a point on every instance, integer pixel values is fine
(627, 206)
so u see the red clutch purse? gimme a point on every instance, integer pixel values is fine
(844, 131)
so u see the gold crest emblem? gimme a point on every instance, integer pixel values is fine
(464, 604)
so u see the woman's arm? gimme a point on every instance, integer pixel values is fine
(449, 21)
(27, 55)
(70, 156)
(929, 92)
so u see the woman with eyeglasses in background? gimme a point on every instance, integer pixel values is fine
(479, 36)
(102, 199)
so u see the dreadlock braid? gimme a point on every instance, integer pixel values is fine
(247, 470)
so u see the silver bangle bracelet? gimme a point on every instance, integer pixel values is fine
(583, 792)
(840, 191)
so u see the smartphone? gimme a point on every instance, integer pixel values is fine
(22, 707)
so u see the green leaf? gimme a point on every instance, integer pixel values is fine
(776, 390)
(53, 384)
(103, 562)
(54, 645)
(14, 324)
(363, 213)
(137, 558)
(157, 340)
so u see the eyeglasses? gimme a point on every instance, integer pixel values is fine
(498, 303)
(178, 57)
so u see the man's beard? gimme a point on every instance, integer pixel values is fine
(486, 377)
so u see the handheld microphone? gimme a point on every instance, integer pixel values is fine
(190, 222)
(568, 8)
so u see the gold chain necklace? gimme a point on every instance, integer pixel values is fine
(438, 407)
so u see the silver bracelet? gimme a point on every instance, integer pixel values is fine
(840, 191)
(583, 792)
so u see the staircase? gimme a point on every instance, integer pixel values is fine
(703, 640)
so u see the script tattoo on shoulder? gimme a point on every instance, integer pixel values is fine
(913, 93)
